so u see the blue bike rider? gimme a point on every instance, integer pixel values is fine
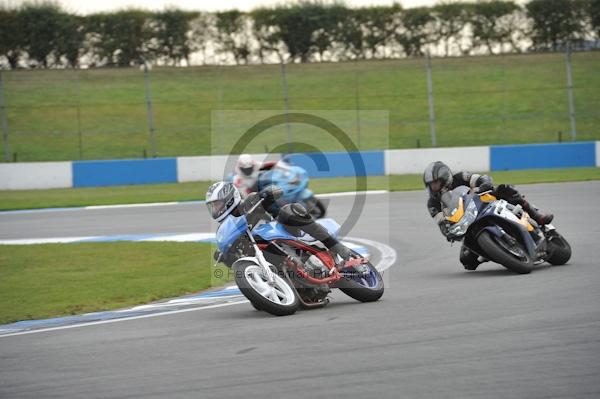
(223, 199)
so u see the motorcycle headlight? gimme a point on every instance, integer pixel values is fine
(460, 228)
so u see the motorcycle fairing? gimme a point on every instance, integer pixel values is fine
(276, 231)
(229, 231)
(306, 195)
(498, 212)
(292, 180)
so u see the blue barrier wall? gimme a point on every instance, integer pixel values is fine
(124, 172)
(537, 156)
(338, 164)
(341, 164)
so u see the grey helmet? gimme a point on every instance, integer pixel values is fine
(221, 199)
(437, 172)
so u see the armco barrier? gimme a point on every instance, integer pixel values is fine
(133, 171)
(41, 175)
(539, 156)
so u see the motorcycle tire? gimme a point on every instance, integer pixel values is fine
(280, 299)
(361, 292)
(497, 253)
(559, 250)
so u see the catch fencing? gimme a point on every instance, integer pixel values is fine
(61, 115)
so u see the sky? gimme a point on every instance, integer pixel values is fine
(90, 6)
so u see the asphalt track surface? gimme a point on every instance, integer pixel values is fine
(438, 332)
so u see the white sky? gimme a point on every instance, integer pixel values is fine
(90, 6)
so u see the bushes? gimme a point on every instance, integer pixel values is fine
(43, 35)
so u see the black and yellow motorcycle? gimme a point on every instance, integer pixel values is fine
(502, 232)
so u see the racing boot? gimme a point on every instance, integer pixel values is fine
(469, 259)
(541, 218)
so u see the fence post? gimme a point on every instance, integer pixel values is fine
(570, 93)
(357, 101)
(79, 133)
(4, 122)
(430, 97)
(287, 107)
(217, 148)
(149, 110)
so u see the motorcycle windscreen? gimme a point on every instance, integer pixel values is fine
(451, 200)
(229, 231)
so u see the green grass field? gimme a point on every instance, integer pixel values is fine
(100, 114)
(31, 199)
(50, 280)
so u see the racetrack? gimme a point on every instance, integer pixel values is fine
(438, 332)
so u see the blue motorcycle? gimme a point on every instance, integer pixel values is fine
(293, 180)
(279, 272)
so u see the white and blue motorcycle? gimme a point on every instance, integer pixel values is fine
(279, 272)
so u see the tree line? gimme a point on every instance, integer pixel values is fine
(43, 35)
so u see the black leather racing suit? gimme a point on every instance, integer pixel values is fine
(482, 183)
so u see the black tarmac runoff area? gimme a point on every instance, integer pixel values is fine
(438, 332)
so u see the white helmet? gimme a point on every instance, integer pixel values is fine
(221, 199)
(245, 165)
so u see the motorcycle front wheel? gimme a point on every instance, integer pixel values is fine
(559, 250)
(512, 256)
(277, 298)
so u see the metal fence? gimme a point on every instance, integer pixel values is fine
(133, 113)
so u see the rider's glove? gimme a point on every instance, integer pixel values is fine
(270, 194)
(444, 226)
(486, 186)
(217, 255)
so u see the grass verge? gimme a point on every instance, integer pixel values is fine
(32, 199)
(50, 280)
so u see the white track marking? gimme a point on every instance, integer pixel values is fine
(150, 204)
(93, 323)
(388, 254)
(183, 237)
(348, 193)
(56, 240)
(92, 207)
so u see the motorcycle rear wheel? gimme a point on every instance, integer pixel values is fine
(522, 264)
(364, 289)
